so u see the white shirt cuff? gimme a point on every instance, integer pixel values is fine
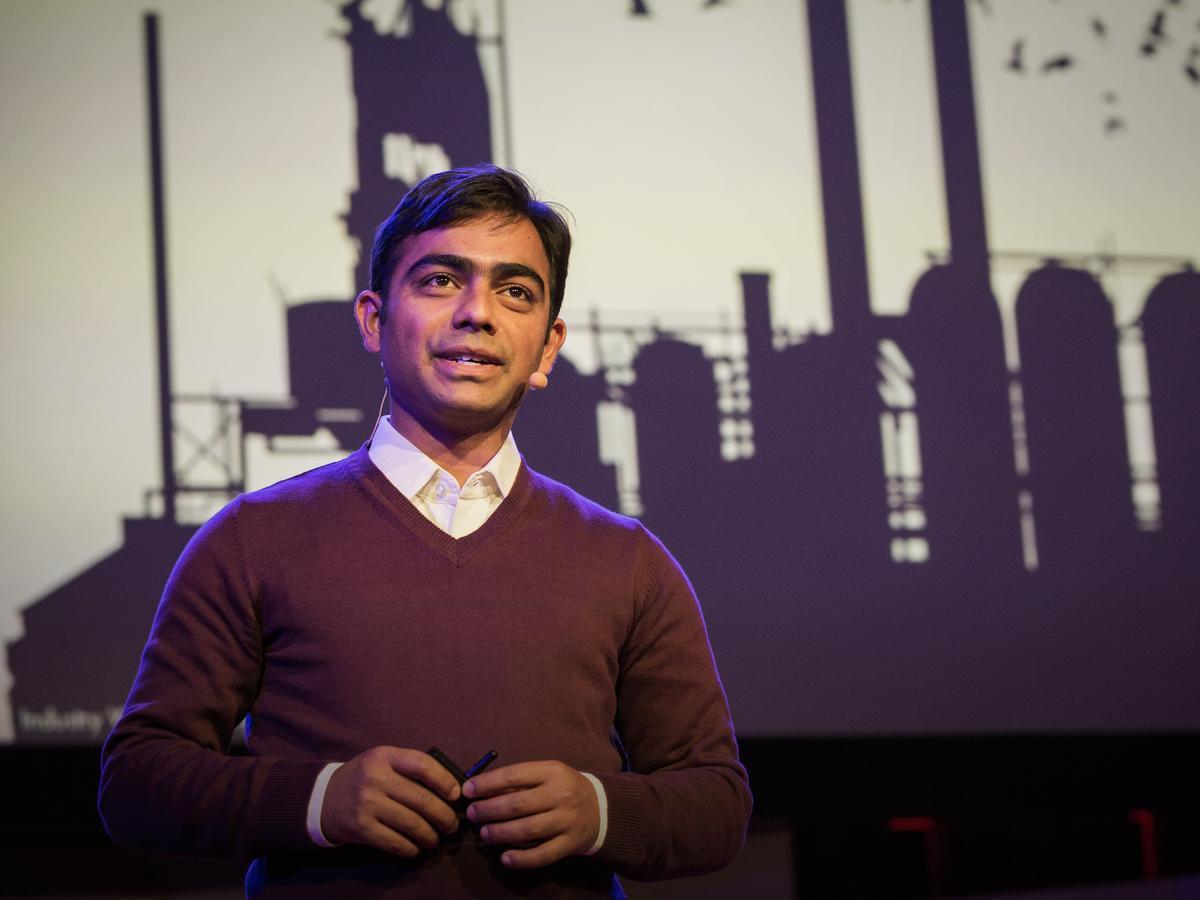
(602, 800)
(316, 801)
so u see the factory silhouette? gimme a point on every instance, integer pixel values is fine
(888, 487)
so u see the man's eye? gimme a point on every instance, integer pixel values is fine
(441, 280)
(516, 292)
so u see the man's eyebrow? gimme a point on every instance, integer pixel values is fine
(504, 271)
(443, 261)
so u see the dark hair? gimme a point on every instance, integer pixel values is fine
(460, 195)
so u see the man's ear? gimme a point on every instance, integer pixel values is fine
(555, 336)
(368, 312)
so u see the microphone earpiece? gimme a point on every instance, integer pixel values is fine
(538, 381)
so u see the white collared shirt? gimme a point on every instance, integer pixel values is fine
(458, 511)
(434, 491)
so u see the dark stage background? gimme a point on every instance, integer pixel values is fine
(942, 520)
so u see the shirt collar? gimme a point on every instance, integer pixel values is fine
(410, 470)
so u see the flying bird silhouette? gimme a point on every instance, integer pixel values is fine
(1099, 28)
(1156, 25)
(1015, 62)
(1057, 64)
(1113, 124)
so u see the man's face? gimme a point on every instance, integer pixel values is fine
(467, 314)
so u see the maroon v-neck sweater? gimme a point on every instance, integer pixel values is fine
(334, 616)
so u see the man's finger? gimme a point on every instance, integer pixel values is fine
(507, 778)
(423, 803)
(540, 827)
(424, 768)
(408, 823)
(542, 855)
(384, 838)
(511, 806)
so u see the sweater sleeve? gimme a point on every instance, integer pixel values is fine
(167, 782)
(684, 805)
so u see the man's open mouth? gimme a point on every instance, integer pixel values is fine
(469, 358)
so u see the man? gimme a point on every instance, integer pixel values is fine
(428, 590)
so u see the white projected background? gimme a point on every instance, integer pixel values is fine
(682, 142)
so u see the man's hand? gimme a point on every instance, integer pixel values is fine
(547, 803)
(390, 798)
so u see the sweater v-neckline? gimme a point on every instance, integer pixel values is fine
(406, 515)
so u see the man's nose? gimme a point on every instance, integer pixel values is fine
(476, 307)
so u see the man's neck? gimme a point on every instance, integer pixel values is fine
(460, 455)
